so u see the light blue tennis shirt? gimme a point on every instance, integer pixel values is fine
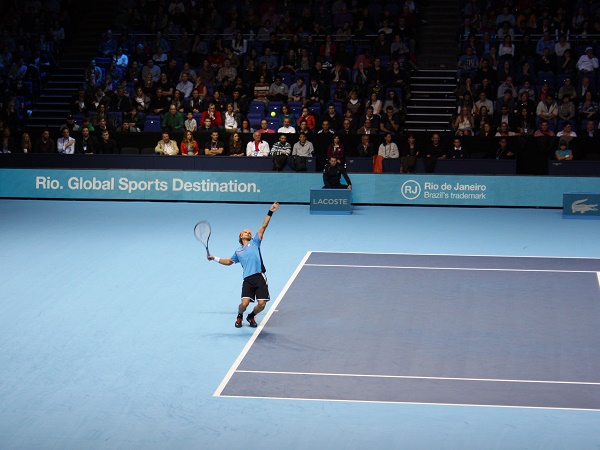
(249, 257)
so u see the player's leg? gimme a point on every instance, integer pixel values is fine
(262, 297)
(247, 296)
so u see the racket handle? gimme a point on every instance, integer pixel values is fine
(207, 252)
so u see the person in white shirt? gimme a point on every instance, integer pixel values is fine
(230, 119)
(257, 147)
(166, 146)
(388, 149)
(185, 85)
(65, 144)
(587, 63)
(287, 127)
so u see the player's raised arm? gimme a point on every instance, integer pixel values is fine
(261, 231)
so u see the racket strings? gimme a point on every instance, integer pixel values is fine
(202, 231)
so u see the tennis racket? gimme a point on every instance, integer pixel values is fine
(202, 233)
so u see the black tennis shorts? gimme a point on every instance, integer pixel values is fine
(256, 287)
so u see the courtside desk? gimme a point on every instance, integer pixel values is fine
(331, 201)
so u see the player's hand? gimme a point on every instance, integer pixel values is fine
(274, 206)
(210, 257)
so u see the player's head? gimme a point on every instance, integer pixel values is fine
(245, 235)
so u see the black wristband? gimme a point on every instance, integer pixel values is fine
(270, 213)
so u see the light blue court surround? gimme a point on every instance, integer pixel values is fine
(115, 331)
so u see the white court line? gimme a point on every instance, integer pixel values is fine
(471, 405)
(263, 322)
(457, 254)
(598, 275)
(407, 377)
(449, 268)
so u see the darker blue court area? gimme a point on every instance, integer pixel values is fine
(470, 330)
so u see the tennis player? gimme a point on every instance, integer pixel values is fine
(255, 286)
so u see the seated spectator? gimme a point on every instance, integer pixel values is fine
(214, 115)
(235, 145)
(287, 126)
(315, 94)
(325, 128)
(127, 128)
(159, 104)
(44, 144)
(160, 58)
(341, 93)
(505, 71)
(257, 147)
(390, 121)
(544, 43)
(195, 103)
(334, 117)
(467, 64)
(567, 133)
(185, 86)
(134, 119)
(545, 64)
(503, 152)
(587, 63)
(504, 130)
(456, 151)
(566, 109)
(482, 118)
(547, 110)
(230, 119)
(561, 46)
(264, 127)
(567, 89)
(367, 128)
(336, 148)
(544, 130)
(347, 127)
(190, 123)
(106, 145)
(524, 123)
(119, 102)
(173, 120)
(388, 149)
(464, 124)
(374, 118)
(278, 90)
(280, 151)
(484, 102)
(303, 147)
(365, 148)
(507, 100)
(505, 115)
(166, 146)
(567, 64)
(213, 146)
(207, 127)
(297, 92)
(261, 91)
(307, 117)
(65, 144)
(563, 153)
(588, 108)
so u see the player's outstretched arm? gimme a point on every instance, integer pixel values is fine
(261, 231)
(224, 261)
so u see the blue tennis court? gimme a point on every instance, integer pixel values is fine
(383, 331)
(433, 329)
